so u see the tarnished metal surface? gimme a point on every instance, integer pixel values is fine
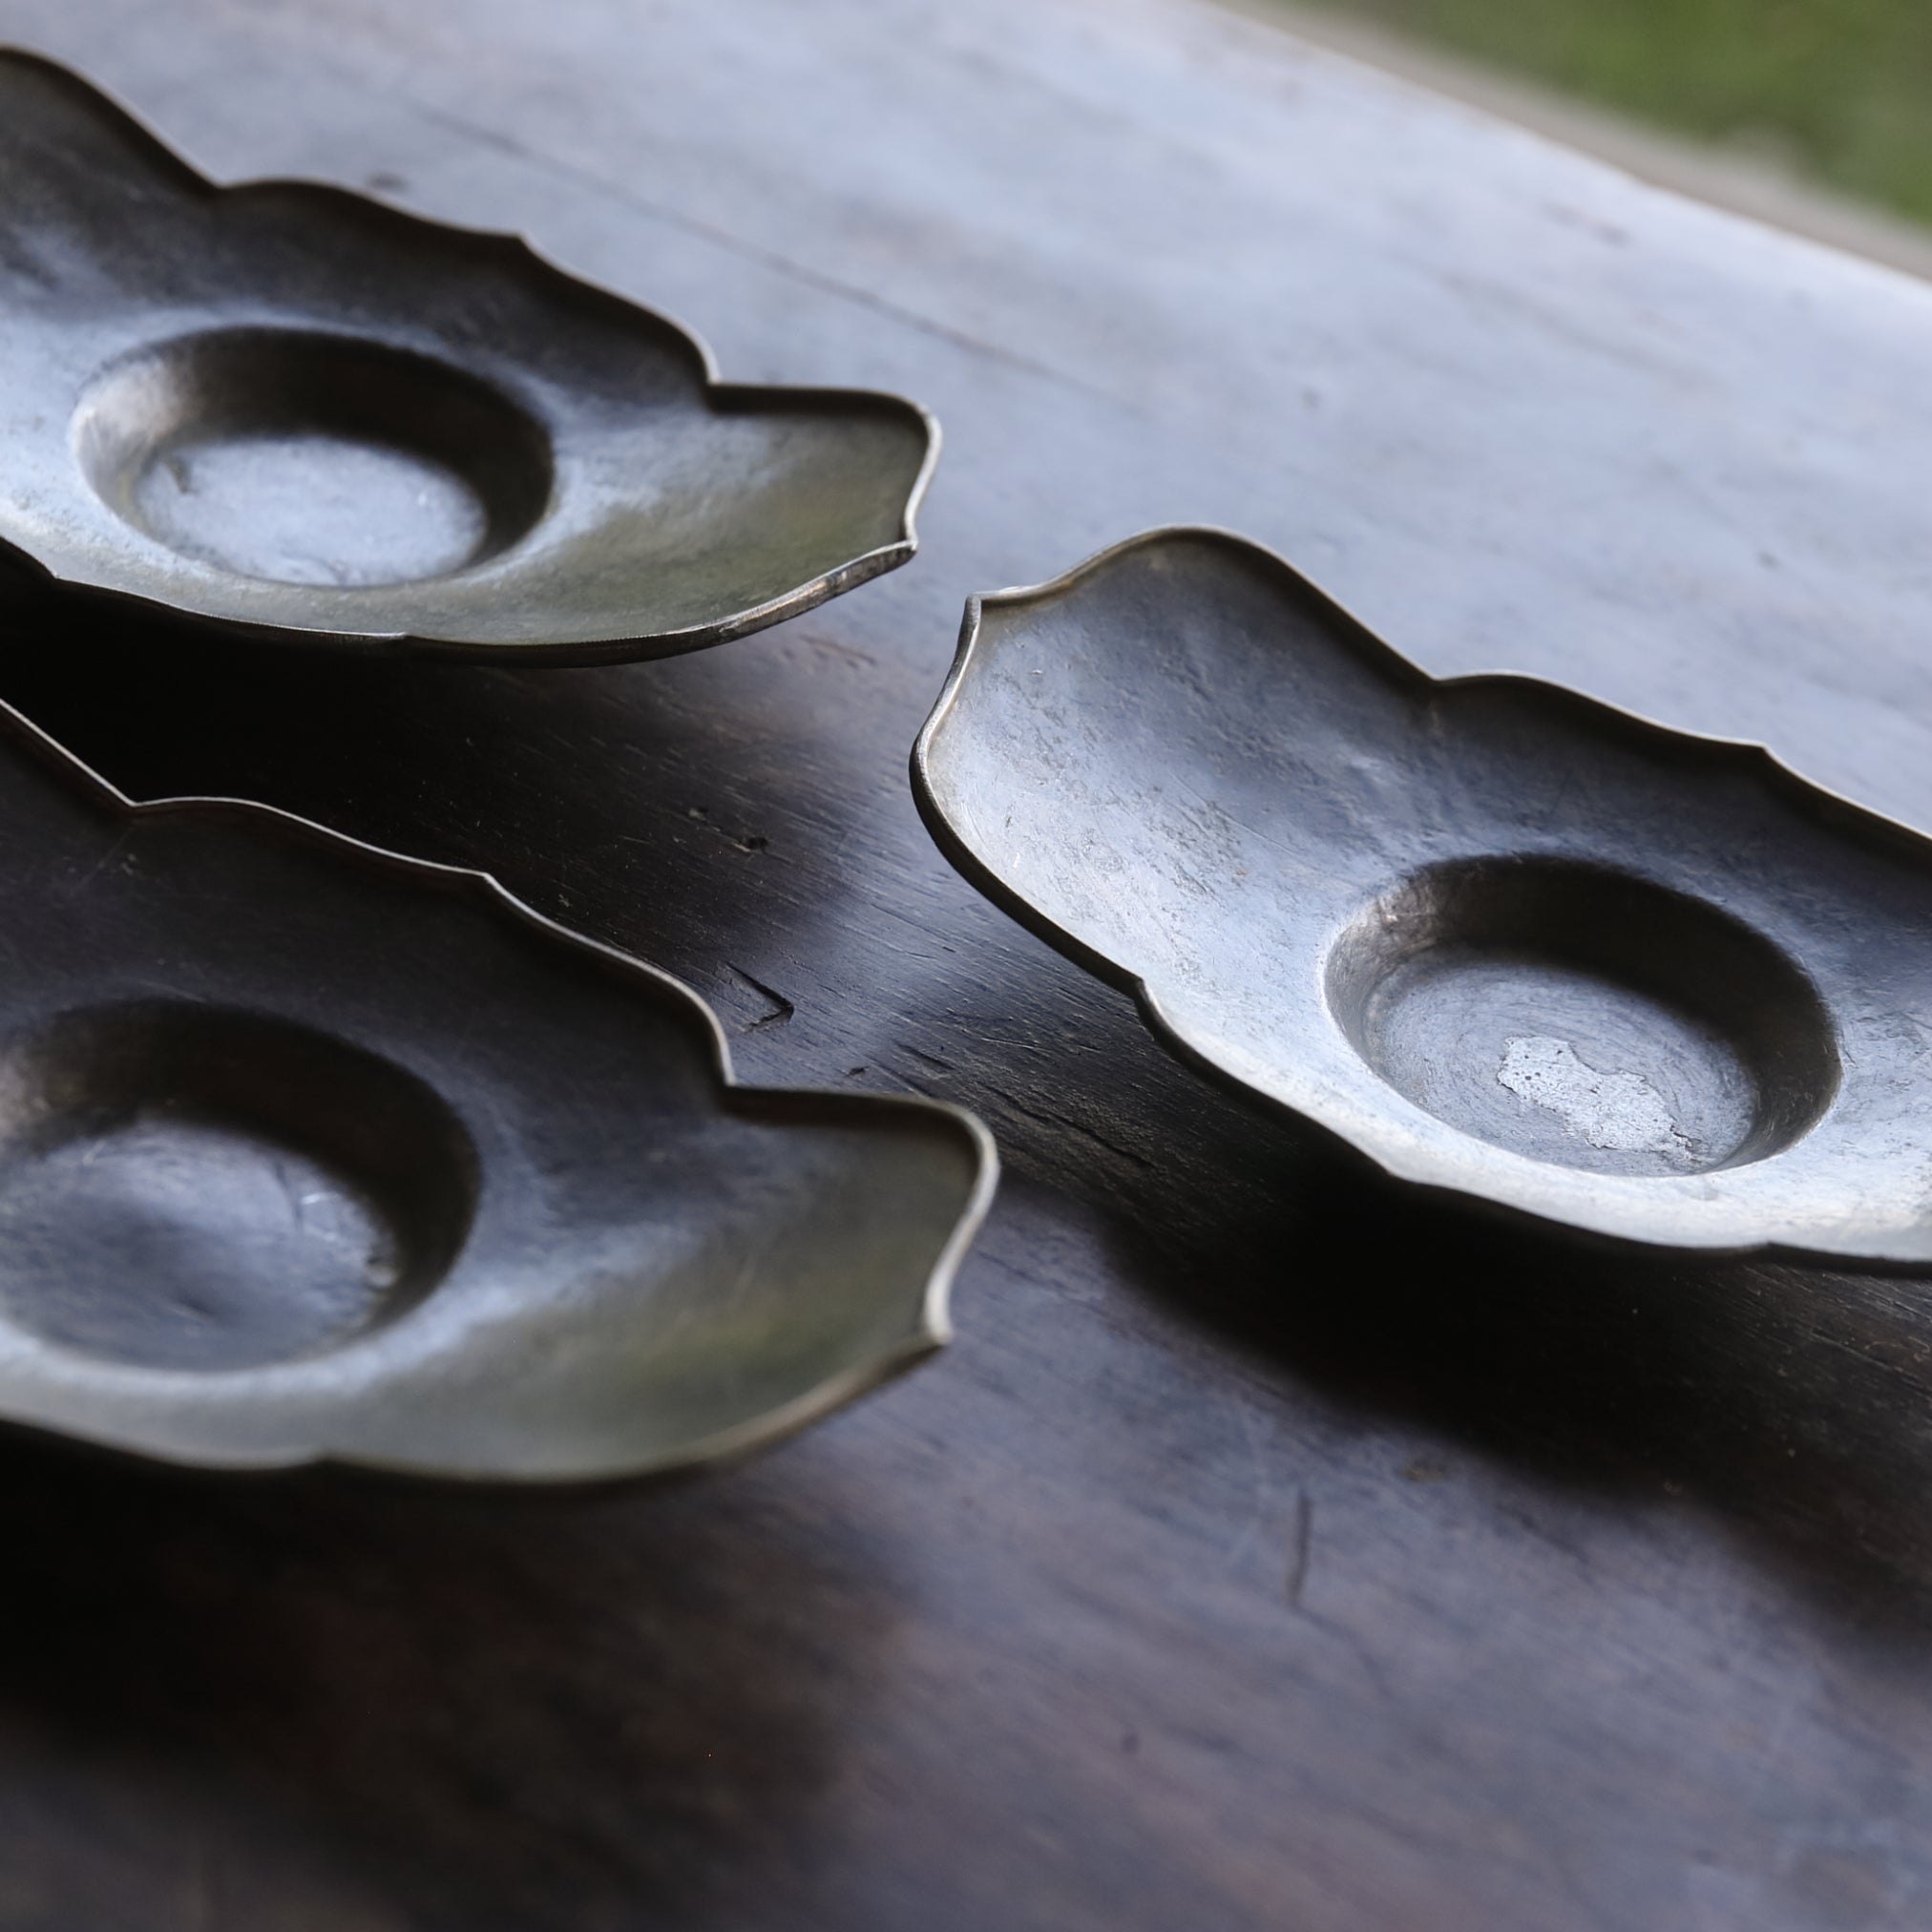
(1503, 938)
(285, 408)
(307, 1150)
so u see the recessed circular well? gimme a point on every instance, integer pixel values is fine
(1575, 1014)
(306, 458)
(189, 1188)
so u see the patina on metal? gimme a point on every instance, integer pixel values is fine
(311, 1151)
(292, 411)
(1504, 939)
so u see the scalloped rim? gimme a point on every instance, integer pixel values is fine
(713, 390)
(934, 1328)
(1766, 764)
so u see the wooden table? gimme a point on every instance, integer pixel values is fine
(1271, 1550)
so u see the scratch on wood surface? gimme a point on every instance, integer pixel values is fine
(782, 1009)
(848, 653)
(1059, 1123)
(1301, 1542)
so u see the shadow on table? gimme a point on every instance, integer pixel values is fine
(634, 802)
(1791, 1401)
(447, 1711)
(375, 746)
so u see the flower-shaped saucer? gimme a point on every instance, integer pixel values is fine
(1505, 940)
(287, 410)
(308, 1151)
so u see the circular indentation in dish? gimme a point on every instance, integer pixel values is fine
(189, 1188)
(1578, 1015)
(315, 459)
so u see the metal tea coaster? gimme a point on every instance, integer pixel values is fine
(311, 1151)
(1504, 939)
(283, 410)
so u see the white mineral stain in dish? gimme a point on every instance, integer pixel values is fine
(1620, 1111)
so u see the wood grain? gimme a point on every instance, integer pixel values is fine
(1273, 1550)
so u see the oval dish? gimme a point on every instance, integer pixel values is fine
(287, 410)
(310, 1151)
(1503, 938)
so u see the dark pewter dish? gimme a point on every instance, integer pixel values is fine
(1504, 939)
(287, 410)
(310, 1151)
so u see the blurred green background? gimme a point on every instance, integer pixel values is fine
(1838, 90)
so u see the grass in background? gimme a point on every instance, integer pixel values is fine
(1840, 90)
